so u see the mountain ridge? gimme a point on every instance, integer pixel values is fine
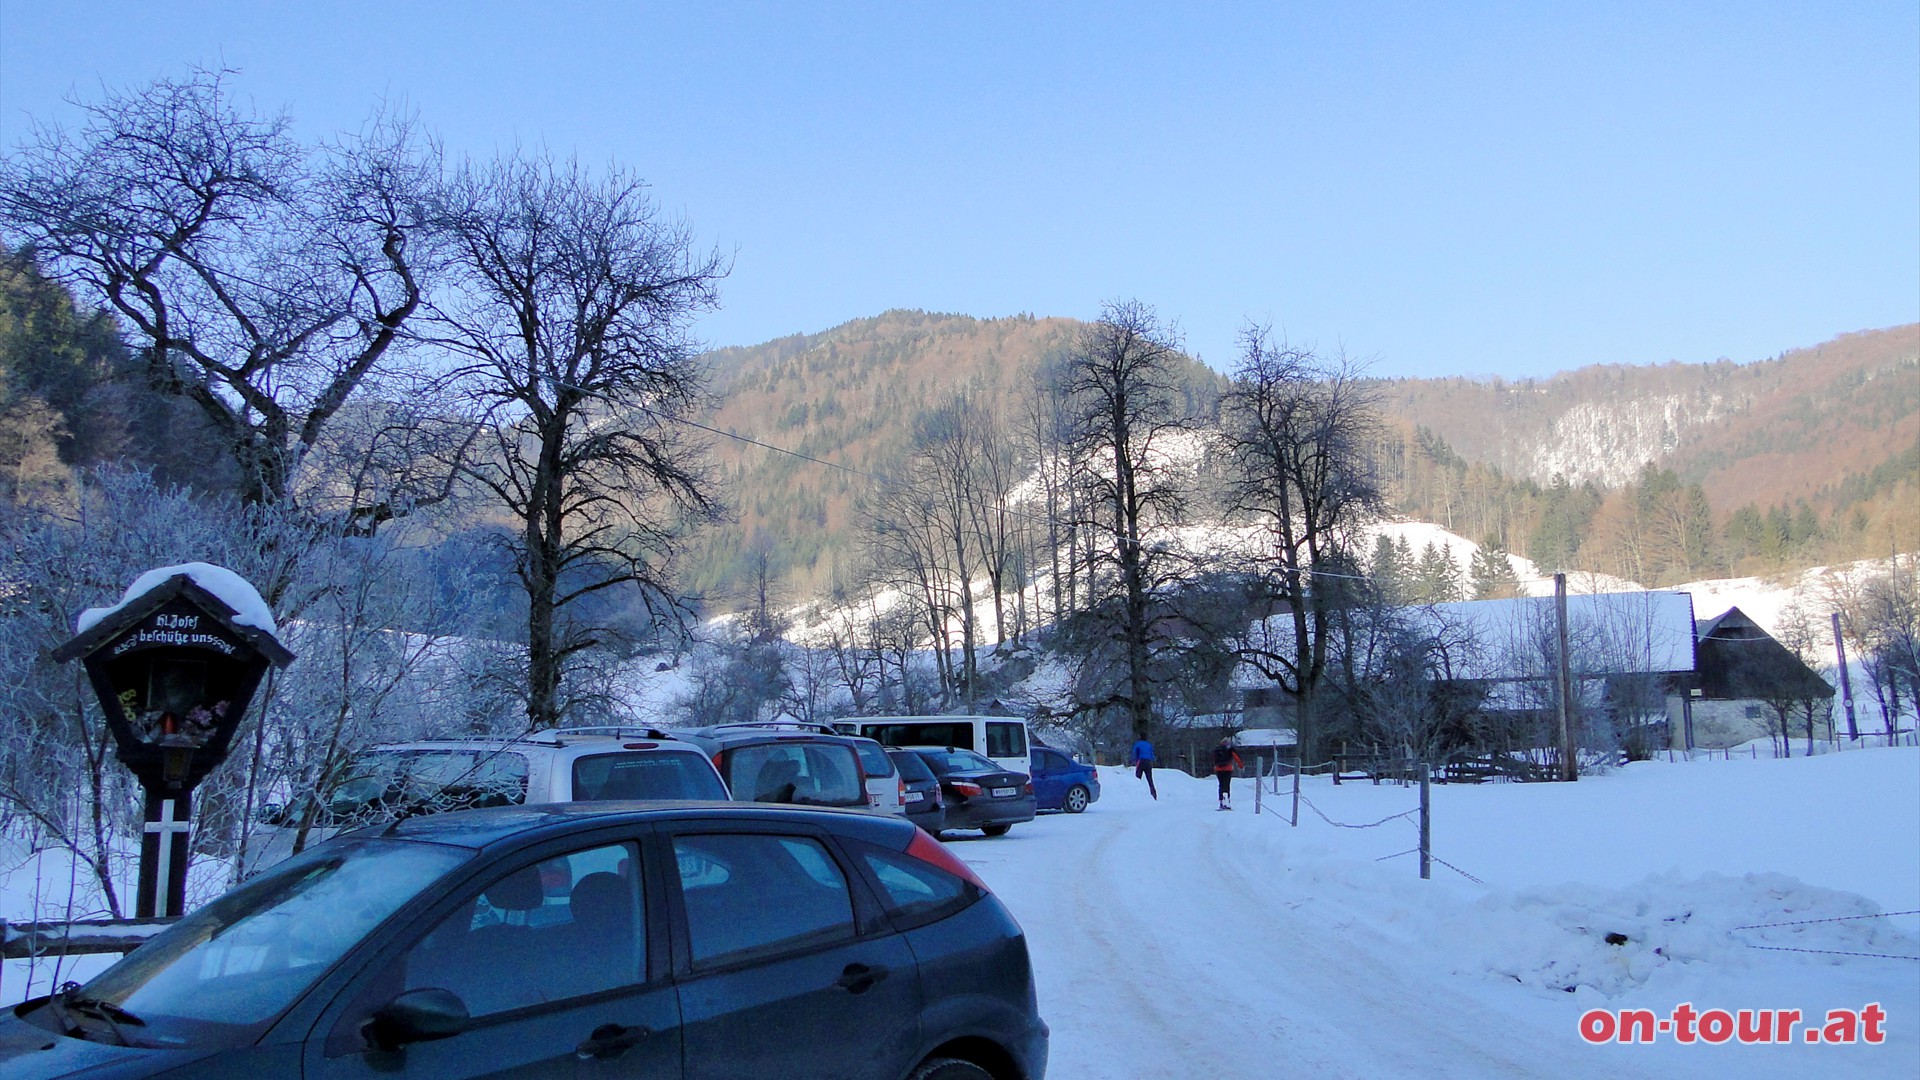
(1794, 429)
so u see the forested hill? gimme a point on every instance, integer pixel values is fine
(1770, 432)
(1820, 445)
(850, 396)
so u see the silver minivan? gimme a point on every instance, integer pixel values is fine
(432, 775)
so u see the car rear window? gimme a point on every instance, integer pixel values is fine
(943, 762)
(655, 775)
(873, 759)
(807, 773)
(912, 769)
(382, 781)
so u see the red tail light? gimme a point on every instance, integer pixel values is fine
(903, 789)
(971, 791)
(1029, 787)
(934, 853)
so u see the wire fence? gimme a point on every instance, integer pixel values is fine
(1404, 815)
(1413, 816)
(1751, 751)
(1826, 952)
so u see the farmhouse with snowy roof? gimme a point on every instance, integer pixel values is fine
(1640, 662)
(1751, 686)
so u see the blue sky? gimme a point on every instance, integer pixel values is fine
(1445, 188)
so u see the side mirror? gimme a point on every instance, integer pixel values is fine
(417, 1016)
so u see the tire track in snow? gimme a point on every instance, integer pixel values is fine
(1169, 954)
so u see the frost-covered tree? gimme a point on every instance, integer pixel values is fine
(262, 278)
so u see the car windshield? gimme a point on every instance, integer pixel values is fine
(218, 976)
(943, 762)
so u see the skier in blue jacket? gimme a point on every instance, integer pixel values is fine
(1143, 764)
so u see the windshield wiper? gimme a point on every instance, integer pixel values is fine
(66, 1003)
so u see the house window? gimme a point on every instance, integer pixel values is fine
(1753, 712)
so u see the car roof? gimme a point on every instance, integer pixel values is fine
(729, 736)
(562, 742)
(492, 825)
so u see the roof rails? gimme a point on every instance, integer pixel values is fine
(618, 731)
(776, 725)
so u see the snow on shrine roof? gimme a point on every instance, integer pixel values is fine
(226, 586)
(1607, 633)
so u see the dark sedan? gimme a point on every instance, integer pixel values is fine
(978, 793)
(920, 798)
(601, 939)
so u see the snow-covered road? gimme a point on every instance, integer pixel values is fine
(1171, 940)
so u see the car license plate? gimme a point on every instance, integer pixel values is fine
(913, 796)
(1005, 792)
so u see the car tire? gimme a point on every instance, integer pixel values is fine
(995, 830)
(949, 1069)
(1077, 800)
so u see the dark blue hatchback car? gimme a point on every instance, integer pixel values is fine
(576, 940)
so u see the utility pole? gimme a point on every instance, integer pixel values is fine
(1563, 677)
(1846, 681)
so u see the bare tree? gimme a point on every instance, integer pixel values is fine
(569, 316)
(945, 465)
(1123, 413)
(371, 669)
(1296, 429)
(740, 678)
(850, 642)
(1881, 612)
(264, 279)
(909, 553)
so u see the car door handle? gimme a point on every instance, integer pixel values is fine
(859, 978)
(610, 1040)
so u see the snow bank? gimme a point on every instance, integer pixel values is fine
(230, 588)
(1614, 940)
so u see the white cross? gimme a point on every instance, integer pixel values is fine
(167, 827)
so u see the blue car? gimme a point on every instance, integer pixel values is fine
(1061, 783)
(596, 940)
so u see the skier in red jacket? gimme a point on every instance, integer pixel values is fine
(1225, 761)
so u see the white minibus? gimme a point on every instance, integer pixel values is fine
(1003, 739)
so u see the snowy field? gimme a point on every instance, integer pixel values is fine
(1171, 940)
